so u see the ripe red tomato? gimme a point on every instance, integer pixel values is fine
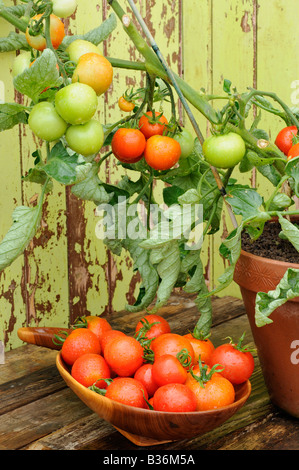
(128, 145)
(78, 342)
(214, 393)
(171, 343)
(108, 336)
(284, 139)
(162, 152)
(124, 355)
(98, 325)
(152, 326)
(293, 152)
(203, 348)
(56, 33)
(145, 375)
(89, 368)
(238, 363)
(150, 125)
(168, 369)
(174, 398)
(128, 391)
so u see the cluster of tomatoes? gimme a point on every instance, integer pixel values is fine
(287, 141)
(71, 112)
(155, 369)
(149, 140)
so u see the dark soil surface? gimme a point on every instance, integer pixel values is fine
(270, 245)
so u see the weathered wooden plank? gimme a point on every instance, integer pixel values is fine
(41, 417)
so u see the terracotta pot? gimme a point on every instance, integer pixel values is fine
(274, 342)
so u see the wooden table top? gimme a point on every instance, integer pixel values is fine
(39, 412)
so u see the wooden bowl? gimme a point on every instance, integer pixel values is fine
(148, 427)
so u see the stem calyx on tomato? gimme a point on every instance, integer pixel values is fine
(206, 373)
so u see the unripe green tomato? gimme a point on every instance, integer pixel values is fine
(21, 63)
(186, 141)
(224, 151)
(64, 8)
(86, 139)
(79, 47)
(76, 103)
(45, 122)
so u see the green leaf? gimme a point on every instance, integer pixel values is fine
(96, 35)
(26, 221)
(149, 275)
(290, 231)
(90, 188)
(61, 166)
(14, 42)
(168, 268)
(292, 169)
(245, 202)
(266, 303)
(12, 114)
(42, 74)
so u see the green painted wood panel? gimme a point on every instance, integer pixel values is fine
(66, 271)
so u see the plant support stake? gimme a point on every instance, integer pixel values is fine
(126, 21)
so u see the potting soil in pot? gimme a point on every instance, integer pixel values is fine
(270, 245)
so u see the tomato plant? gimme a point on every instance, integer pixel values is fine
(237, 361)
(284, 139)
(150, 124)
(162, 152)
(128, 145)
(224, 151)
(76, 103)
(45, 122)
(85, 139)
(56, 33)
(94, 70)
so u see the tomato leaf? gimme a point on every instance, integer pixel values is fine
(61, 165)
(96, 35)
(266, 303)
(149, 275)
(90, 187)
(26, 221)
(13, 42)
(12, 114)
(245, 202)
(290, 231)
(168, 266)
(42, 74)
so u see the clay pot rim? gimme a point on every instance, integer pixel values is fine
(282, 264)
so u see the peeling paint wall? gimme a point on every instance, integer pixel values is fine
(66, 271)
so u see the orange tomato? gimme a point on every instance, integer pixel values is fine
(94, 70)
(162, 152)
(56, 33)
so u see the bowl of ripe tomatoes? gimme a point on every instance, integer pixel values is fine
(156, 386)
